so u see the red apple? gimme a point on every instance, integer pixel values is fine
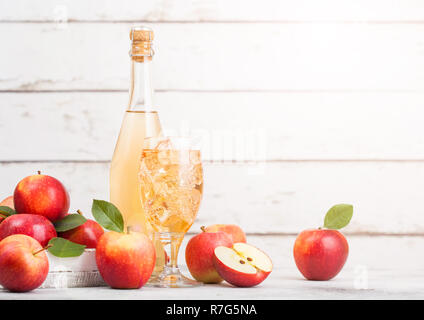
(199, 255)
(8, 202)
(42, 195)
(87, 234)
(125, 260)
(167, 258)
(320, 254)
(23, 263)
(243, 265)
(35, 226)
(235, 232)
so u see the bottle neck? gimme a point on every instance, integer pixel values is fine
(141, 88)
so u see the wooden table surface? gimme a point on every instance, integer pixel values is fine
(282, 284)
(383, 267)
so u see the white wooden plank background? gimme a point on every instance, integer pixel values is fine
(327, 95)
(273, 197)
(216, 10)
(235, 125)
(218, 56)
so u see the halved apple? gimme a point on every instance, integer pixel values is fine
(243, 265)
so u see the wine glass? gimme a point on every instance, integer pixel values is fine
(171, 182)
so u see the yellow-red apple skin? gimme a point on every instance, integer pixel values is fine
(237, 278)
(43, 195)
(20, 269)
(234, 231)
(87, 234)
(125, 261)
(199, 255)
(320, 254)
(8, 202)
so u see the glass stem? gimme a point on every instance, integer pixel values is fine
(171, 242)
(171, 276)
(175, 248)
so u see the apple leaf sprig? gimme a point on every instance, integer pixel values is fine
(71, 221)
(64, 248)
(338, 216)
(6, 211)
(105, 213)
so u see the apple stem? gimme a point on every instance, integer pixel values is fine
(203, 228)
(39, 172)
(79, 212)
(42, 249)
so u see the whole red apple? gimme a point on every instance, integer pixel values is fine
(320, 254)
(125, 260)
(42, 195)
(35, 226)
(87, 234)
(199, 255)
(23, 263)
(235, 232)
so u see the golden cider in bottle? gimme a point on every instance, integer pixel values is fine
(141, 120)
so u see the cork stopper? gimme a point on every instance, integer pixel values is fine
(141, 43)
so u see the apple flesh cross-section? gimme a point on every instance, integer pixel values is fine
(243, 265)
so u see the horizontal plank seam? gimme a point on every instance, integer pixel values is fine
(312, 91)
(350, 234)
(200, 21)
(246, 162)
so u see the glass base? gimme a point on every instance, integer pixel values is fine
(172, 280)
(171, 276)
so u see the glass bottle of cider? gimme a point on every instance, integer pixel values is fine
(140, 121)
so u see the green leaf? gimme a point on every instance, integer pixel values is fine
(7, 211)
(338, 216)
(63, 248)
(107, 215)
(70, 222)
